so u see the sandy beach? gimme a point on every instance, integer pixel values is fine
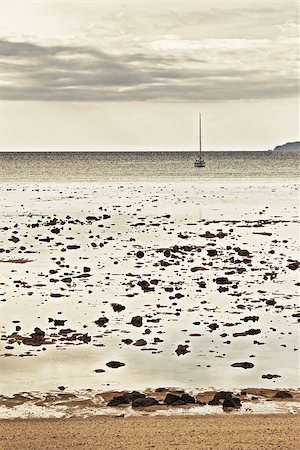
(228, 432)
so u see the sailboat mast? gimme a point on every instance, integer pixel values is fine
(200, 135)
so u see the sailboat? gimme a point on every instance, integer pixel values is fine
(199, 161)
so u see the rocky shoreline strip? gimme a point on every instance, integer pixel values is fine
(161, 400)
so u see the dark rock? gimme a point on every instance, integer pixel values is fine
(242, 252)
(244, 365)
(134, 395)
(182, 349)
(101, 322)
(66, 331)
(117, 307)
(127, 341)
(251, 332)
(212, 252)
(59, 323)
(271, 302)
(208, 235)
(140, 343)
(186, 398)
(283, 394)
(119, 400)
(115, 364)
(144, 402)
(252, 318)
(232, 402)
(222, 395)
(213, 326)
(84, 338)
(14, 239)
(37, 338)
(172, 399)
(294, 265)
(67, 280)
(222, 280)
(99, 370)
(223, 289)
(137, 321)
(91, 218)
(269, 376)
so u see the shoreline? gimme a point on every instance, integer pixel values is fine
(227, 432)
(65, 404)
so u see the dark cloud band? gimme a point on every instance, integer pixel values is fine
(80, 73)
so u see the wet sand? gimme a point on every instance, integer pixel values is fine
(200, 432)
(174, 284)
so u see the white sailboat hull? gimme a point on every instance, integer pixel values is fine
(199, 163)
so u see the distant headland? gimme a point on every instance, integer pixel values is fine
(288, 147)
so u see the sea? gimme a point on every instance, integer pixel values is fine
(153, 234)
(138, 166)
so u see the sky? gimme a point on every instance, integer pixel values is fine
(133, 75)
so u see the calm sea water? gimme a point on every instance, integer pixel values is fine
(97, 166)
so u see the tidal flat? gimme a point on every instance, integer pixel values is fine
(144, 285)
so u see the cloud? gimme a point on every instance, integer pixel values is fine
(170, 69)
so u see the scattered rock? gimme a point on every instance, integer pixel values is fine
(127, 341)
(101, 322)
(182, 349)
(117, 307)
(222, 280)
(213, 326)
(119, 400)
(283, 394)
(144, 402)
(244, 365)
(137, 321)
(222, 395)
(173, 399)
(37, 338)
(231, 403)
(269, 376)
(140, 343)
(115, 364)
(251, 332)
(186, 398)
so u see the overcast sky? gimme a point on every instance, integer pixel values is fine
(132, 75)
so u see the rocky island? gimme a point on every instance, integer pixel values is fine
(288, 147)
